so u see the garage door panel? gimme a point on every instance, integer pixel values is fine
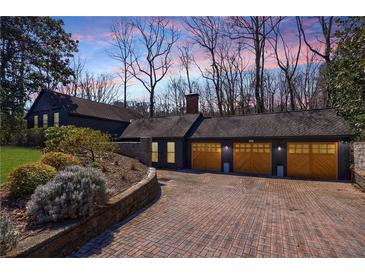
(206, 156)
(252, 158)
(312, 160)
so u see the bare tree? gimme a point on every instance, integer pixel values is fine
(328, 40)
(78, 67)
(287, 59)
(176, 94)
(207, 33)
(254, 32)
(157, 39)
(99, 87)
(186, 59)
(123, 52)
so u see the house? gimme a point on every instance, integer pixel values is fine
(57, 109)
(307, 144)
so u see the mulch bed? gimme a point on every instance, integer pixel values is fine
(121, 172)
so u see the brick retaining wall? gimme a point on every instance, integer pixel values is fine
(62, 241)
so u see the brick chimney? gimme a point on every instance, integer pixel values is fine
(192, 103)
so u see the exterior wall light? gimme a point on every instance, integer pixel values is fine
(225, 147)
(279, 148)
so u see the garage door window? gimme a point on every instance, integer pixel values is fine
(258, 148)
(298, 148)
(154, 152)
(207, 147)
(171, 152)
(323, 149)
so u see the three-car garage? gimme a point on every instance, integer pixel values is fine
(302, 159)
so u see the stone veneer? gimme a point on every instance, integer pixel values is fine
(359, 156)
(62, 240)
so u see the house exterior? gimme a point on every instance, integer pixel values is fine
(56, 109)
(305, 144)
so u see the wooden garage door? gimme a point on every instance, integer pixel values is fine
(206, 156)
(252, 158)
(312, 160)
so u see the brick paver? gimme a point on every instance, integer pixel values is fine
(216, 215)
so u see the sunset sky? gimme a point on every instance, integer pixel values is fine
(94, 36)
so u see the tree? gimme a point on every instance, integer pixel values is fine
(207, 33)
(123, 52)
(157, 40)
(186, 59)
(328, 40)
(35, 55)
(254, 32)
(98, 87)
(288, 60)
(347, 73)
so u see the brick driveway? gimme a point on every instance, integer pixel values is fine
(216, 215)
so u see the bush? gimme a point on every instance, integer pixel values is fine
(73, 193)
(35, 137)
(8, 235)
(93, 143)
(59, 160)
(55, 135)
(13, 129)
(24, 179)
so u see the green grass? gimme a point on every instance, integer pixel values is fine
(12, 157)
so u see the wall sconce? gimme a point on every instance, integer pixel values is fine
(279, 148)
(225, 147)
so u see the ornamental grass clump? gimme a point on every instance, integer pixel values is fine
(8, 235)
(73, 193)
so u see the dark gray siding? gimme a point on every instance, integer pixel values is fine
(344, 161)
(46, 105)
(112, 127)
(162, 153)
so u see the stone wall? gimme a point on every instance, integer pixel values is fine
(63, 241)
(138, 150)
(359, 156)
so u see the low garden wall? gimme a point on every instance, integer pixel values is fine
(358, 174)
(62, 241)
(138, 150)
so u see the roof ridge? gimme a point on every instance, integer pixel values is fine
(85, 99)
(268, 113)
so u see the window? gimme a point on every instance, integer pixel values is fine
(36, 121)
(154, 152)
(255, 147)
(56, 119)
(45, 120)
(299, 148)
(171, 152)
(323, 149)
(206, 147)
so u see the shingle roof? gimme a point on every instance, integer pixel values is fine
(312, 123)
(172, 126)
(79, 106)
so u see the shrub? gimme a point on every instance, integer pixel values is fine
(55, 135)
(87, 141)
(59, 160)
(13, 129)
(8, 235)
(73, 193)
(24, 179)
(35, 137)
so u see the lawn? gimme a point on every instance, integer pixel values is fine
(11, 157)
